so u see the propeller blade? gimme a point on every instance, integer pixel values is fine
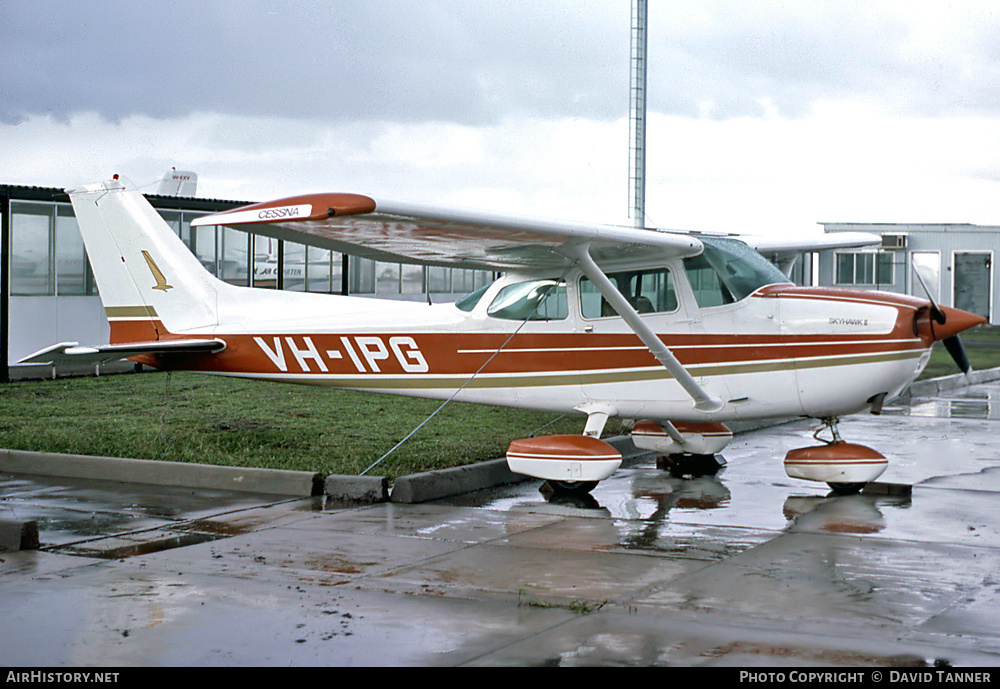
(936, 313)
(957, 351)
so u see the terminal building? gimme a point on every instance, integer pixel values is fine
(48, 295)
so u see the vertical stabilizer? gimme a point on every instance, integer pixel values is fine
(150, 283)
(178, 183)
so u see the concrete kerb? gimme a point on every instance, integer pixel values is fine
(155, 472)
(18, 534)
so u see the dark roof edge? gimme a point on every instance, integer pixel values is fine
(189, 203)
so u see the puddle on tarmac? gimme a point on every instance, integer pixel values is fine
(973, 404)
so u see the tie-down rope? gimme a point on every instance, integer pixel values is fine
(473, 376)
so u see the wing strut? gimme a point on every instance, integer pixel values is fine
(703, 401)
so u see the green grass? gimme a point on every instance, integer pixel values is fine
(185, 417)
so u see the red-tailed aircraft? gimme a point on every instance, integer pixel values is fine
(682, 332)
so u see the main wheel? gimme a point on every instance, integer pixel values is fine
(573, 487)
(689, 465)
(846, 488)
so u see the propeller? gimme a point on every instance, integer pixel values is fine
(957, 351)
(949, 335)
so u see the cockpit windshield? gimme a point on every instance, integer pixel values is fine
(728, 271)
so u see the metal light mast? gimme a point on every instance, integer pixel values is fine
(637, 115)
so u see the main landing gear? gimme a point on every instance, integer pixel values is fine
(845, 467)
(686, 450)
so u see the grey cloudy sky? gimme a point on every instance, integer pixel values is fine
(762, 114)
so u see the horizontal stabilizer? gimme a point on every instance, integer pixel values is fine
(72, 353)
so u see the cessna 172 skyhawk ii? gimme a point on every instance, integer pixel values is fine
(683, 332)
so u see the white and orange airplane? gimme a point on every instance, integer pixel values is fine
(682, 332)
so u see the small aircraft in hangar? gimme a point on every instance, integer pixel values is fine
(679, 331)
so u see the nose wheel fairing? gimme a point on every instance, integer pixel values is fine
(846, 467)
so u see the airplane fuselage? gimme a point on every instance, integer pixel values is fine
(784, 350)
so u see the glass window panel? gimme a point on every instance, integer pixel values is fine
(318, 269)
(336, 272)
(265, 262)
(438, 279)
(31, 249)
(845, 269)
(294, 269)
(864, 269)
(591, 300)
(235, 263)
(411, 279)
(387, 278)
(648, 291)
(482, 277)
(705, 283)
(71, 259)
(883, 269)
(463, 281)
(362, 277)
(202, 245)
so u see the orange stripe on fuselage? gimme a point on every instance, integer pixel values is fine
(463, 354)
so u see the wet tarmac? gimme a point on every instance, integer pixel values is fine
(746, 568)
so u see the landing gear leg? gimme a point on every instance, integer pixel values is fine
(838, 488)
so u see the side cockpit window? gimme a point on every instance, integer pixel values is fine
(648, 291)
(535, 300)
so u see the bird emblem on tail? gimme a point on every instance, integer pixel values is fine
(161, 280)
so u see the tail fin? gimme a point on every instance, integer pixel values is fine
(150, 283)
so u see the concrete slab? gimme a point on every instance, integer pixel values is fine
(746, 568)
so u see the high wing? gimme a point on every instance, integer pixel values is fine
(409, 233)
(783, 251)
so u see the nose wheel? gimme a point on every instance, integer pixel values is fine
(845, 467)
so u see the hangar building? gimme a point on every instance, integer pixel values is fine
(955, 261)
(48, 295)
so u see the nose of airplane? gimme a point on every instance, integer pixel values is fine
(953, 322)
(943, 324)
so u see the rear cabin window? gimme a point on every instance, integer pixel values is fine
(648, 291)
(469, 301)
(535, 300)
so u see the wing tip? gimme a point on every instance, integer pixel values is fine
(293, 208)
